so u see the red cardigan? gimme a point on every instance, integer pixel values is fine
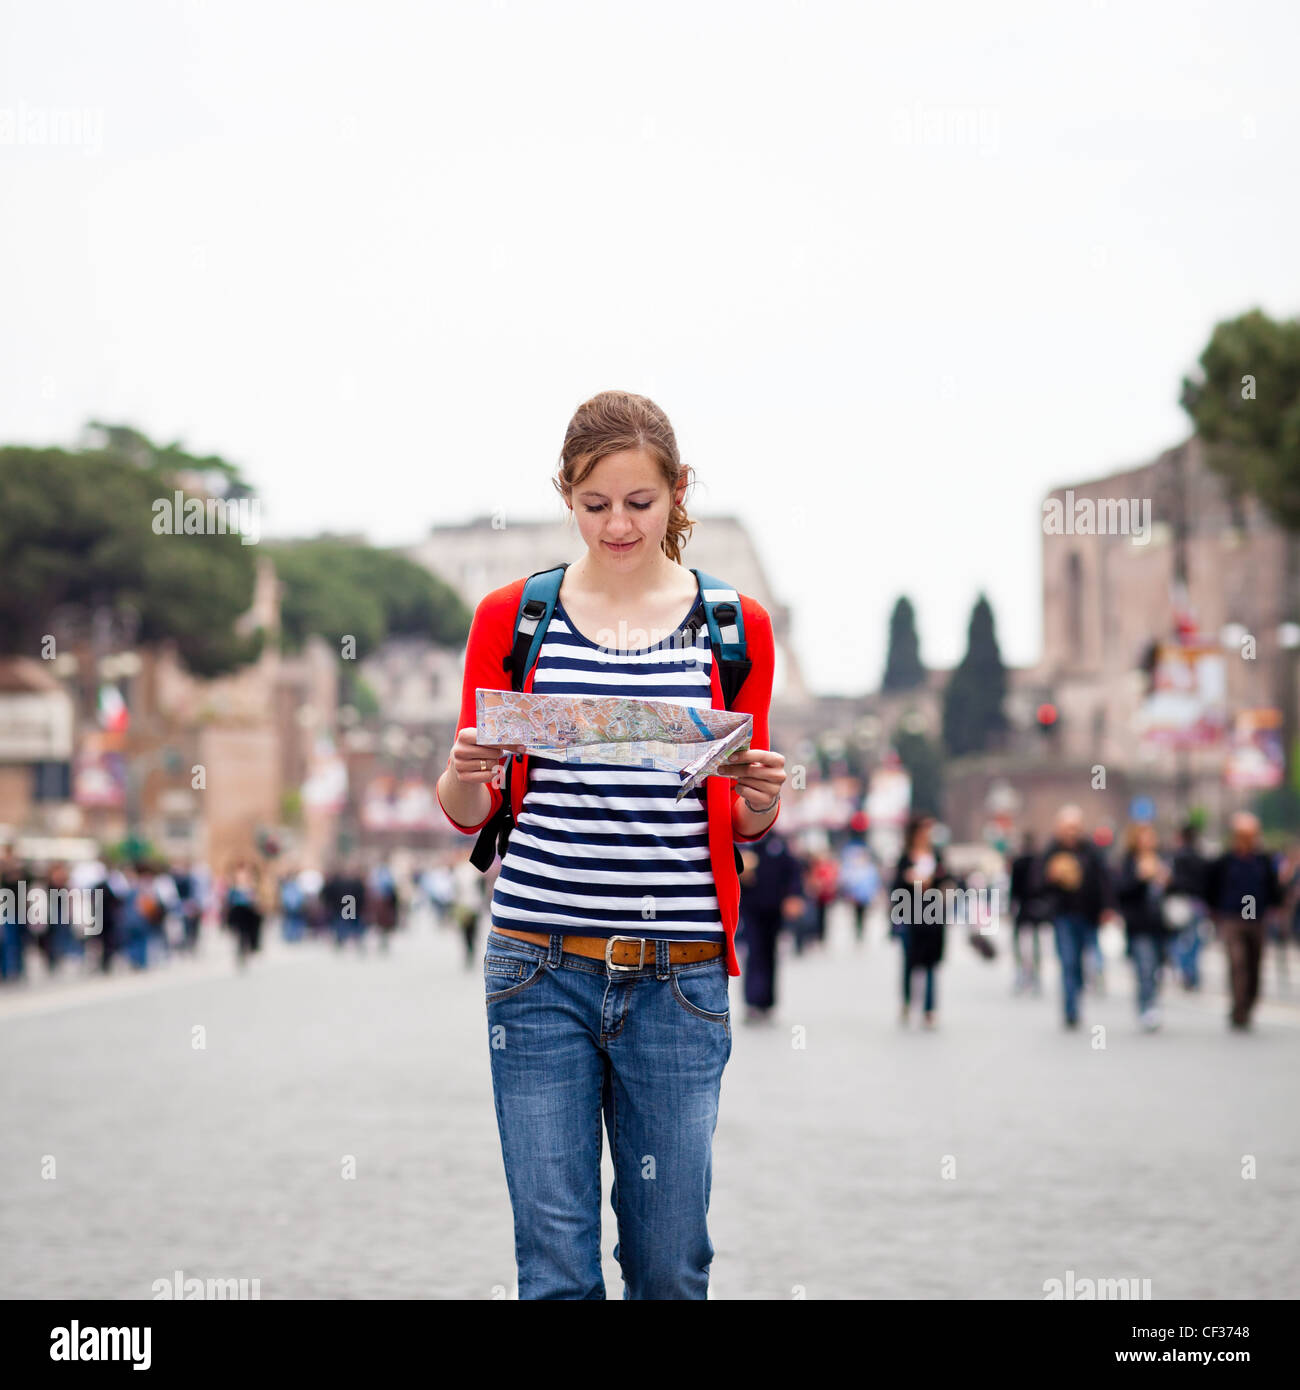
(491, 637)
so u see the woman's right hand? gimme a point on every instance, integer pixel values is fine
(468, 757)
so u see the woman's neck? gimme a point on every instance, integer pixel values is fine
(622, 585)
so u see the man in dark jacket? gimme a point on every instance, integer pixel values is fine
(1242, 889)
(1074, 884)
(769, 892)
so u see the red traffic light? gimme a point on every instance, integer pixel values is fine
(1046, 715)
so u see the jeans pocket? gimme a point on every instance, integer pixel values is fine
(505, 975)
(704, 992)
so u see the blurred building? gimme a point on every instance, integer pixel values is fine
(1207, 574)
(37, 718)
(103, 744)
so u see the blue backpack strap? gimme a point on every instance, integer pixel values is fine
(726, 620)
(536, 605)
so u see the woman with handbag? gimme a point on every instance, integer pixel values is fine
(614, 914)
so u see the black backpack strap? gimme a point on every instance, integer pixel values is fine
(536, 605)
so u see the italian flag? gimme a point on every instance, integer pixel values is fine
(113, 715)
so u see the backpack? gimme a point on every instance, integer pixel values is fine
(722, 612)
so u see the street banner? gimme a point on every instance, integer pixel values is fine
(1254, 761)
(1188, 705)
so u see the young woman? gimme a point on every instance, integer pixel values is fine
(613, 917)
(1139, 890)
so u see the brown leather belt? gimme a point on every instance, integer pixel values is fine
(622, 952)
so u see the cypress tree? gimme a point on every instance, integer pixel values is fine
(972, 704)
(903, 669)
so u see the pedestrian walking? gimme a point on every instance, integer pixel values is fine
(919, 915)
(191, 890)
(1030, 912)
(859, 883)
(823, 888)
(1076, 889)
(613, 917)
(467, 903)
(244, 911)
(1288, 918)
(381, 895)
(293, 907)
(1185, 906)
(1139, 892)
(770, 897)
(1243, 889)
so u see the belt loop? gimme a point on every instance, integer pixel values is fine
(556, 950)
(661, 959)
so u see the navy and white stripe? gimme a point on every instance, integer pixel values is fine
(601, 850)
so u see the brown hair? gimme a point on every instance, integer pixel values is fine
(615, 421)
(1132, 833)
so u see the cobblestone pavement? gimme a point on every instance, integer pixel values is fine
(837, 1128)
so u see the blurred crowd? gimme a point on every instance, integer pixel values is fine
(1170, 901)
(144, 912)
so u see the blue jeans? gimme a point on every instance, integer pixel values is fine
(1145, 951)
(1186, 951)
(1071, 938)
(569, 1039)
(909, 966)
(12, 946)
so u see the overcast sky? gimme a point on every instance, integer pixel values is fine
(892, 270)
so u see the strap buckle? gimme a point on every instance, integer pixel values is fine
(609, 947)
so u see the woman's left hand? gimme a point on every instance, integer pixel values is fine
(759, 774)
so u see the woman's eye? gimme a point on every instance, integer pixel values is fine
(640, 506)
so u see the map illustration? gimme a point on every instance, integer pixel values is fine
(613, 730)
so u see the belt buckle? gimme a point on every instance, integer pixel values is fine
(609, 946)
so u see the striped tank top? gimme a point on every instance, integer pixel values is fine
(603, 850)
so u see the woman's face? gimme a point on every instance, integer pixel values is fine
(622, 507)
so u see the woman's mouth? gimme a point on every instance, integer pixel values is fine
(619, 549)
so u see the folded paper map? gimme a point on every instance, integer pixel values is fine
(613, 730)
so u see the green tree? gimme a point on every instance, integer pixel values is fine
(1244, 401)
(924, 762)
(973, 717)
(78, 544)
(1245, 404)
(903, 668)
(340, 589)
